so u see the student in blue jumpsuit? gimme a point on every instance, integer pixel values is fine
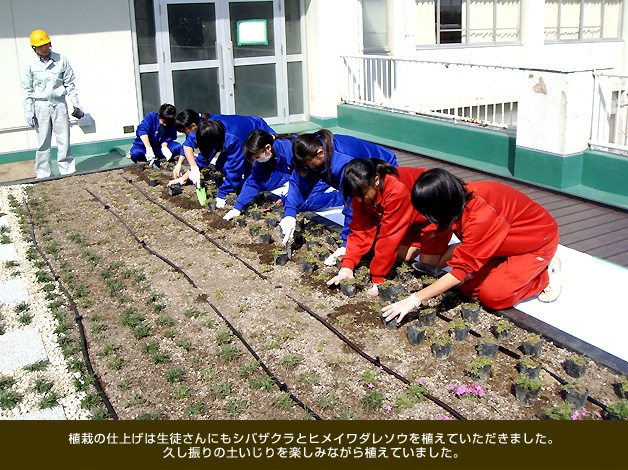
(270, 157)
(156, 137)
(220, 140)
(323, 156)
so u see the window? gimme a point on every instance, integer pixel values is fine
(466, 21)
(582, 19)
(375, 26)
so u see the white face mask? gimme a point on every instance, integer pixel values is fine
(263, 159)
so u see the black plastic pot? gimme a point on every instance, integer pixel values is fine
(211, 205)
(470, 314)
(526, 397)
(174, 190)
(573, 369)
(141, 166)
(575, 398)
(254, 230)
(362, 276)
(530, 372)
(415, 333)
(308, 266)
(533, 350)
(403, 275)
(152, 182)
(441, 352)
(481, 373)
(265, 238)
(427, 318)
(487, 349)
(322, 255)
(240, 221)
(460, 334)
(390, 325)
(392, 293)
(256, 215)
(281, 259)
(349, 288)
(271, 222)
(311, 245)
(500, 335)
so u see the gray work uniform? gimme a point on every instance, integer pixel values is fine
(45, 85)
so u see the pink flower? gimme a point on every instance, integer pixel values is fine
(420, 380)
(389, 408)
(584, 411)
(370, 385)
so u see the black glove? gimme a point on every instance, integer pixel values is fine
(78, 113)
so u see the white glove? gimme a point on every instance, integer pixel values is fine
(287, 225)
(344, 273)
(29, 118)
(176, 172)
(400, 308)
(231, 214)
(373, 291)
(150, 155)
(220, 203)
(331, 259)
(195, 175)
(166, 153)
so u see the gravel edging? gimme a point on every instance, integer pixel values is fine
(57, 371)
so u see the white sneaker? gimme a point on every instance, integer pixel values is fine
(552, 291)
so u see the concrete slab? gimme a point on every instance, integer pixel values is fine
(8, 252)
(13, 291)
(49, 414)
(21, 348)
(4, 221)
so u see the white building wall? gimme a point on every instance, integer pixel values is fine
(95, 36)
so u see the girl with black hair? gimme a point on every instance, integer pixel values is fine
(270, 157)
(384, 216)
(507, 243)
(322, 156)
(220, 138)
(156, 137)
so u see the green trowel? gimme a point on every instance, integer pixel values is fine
(201, 194)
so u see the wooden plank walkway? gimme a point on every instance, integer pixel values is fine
(592, 228)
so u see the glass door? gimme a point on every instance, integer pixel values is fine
(231, 56)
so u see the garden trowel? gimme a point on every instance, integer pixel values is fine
(201, 194)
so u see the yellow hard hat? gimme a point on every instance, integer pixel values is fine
(39, 38)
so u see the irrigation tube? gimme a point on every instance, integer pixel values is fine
(343, 338)
(283, 387)
(142, 242)
(78, 318)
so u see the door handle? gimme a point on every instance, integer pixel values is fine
(231, 64)
(221, 64)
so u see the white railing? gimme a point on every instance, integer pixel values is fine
(479, 94)
(609, 125)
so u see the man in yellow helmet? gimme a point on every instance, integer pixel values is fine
(46, 81)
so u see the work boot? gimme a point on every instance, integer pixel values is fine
(552, 291)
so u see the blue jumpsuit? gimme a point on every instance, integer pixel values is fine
(276, 172)
(346, 148)
(231, 160)
(157, 135)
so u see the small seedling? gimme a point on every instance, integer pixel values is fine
(116, 363)
(181, 391)
(347, 414)
(170, 333)
(223, 337)
(38, 366)
(195, 409)
(221, 390)
(283, 400)
(236, 406)
(249, 368)
(310, 379)
(327, 402)
(292, 360)
(230, 353)
(373, 400)
(263, 383)
(141, 331)
(160, 358)
(150, 347)
(175, 375)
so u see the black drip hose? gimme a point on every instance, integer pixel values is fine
(77, 318)
(309, 311)
(283, 387)
(142, 242)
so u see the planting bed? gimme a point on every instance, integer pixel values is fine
(160, 349)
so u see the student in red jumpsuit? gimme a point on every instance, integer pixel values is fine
(507, 247)
(383, 215)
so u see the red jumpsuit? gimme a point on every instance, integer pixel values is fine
(507, 241)
(398, 222)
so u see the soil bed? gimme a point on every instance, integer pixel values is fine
(160, 351)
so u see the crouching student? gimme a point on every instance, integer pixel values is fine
(156, 137)
(322, 156)
(507, 243)
(383, 216)
(270, 157)
(186, 122)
